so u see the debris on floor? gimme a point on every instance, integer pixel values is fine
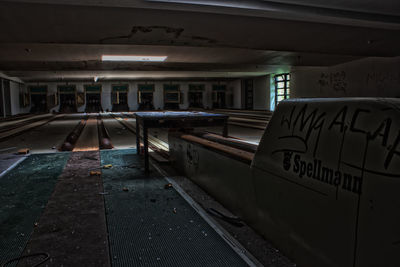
(232, 220)
(168, 186)
(90, 158)
(93, 173)
(23, 151)
(107, 166)
(125, 189)
(131, 166)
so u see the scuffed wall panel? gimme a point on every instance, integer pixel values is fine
(371, 77)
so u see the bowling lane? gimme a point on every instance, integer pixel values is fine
(121, 137)
(88, 140)
(16, 121)
(161, 134)
(46, 138)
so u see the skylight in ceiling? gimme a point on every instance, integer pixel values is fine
(133, 58)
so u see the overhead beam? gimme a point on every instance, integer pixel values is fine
(383, 17)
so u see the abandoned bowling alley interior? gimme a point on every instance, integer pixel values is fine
(200, 133)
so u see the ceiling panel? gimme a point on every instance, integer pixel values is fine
(59, 39)
(100, 25)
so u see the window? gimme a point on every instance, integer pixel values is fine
(282, 87)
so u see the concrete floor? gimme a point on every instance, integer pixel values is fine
(260, 248)
(7, 161)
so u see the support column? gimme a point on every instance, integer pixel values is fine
(137, 136)
(225, 128)
(146, 149)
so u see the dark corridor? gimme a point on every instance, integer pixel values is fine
(38, 103)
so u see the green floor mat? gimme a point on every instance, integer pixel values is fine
(150, 225)
(24, 192)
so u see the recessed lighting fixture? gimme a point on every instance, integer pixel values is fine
(133, 58)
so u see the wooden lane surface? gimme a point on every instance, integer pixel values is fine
(27, 127)
(89, 139)
(16, 121)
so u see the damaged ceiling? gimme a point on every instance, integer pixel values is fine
(57, 40)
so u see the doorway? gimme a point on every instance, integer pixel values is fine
(38, 103)
(146, 101)
(67, 103)
(146, 96)
(93, 102)
(93, 98)
(219, 99)
(248, 93)
(120, 101)
(172, 96)
(195, 99)
(119, 97)
(38, 98)
(67, 95)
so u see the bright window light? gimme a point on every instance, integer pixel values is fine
(133, 58)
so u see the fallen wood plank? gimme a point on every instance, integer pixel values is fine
(247, 125)
(247, 120)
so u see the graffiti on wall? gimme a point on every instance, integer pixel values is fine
(336, 81)
(192, 156)
(303, 141)
(380, 80)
